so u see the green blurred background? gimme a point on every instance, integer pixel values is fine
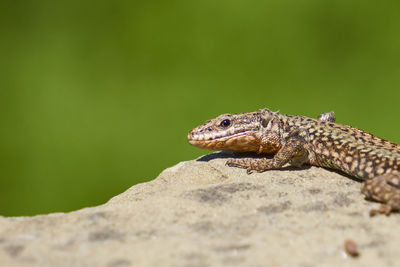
(97, 96)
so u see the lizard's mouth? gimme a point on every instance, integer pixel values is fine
(242, 141)
(208, 134)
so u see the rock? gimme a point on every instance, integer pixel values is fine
(202, 213)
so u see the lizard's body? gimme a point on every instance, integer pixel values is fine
(301, 140)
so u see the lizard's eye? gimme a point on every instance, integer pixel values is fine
(225, 123)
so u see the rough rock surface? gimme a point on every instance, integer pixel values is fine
(202, 213)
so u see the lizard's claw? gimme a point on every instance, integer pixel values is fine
(229, 163)
(249, 171)
(234, 163)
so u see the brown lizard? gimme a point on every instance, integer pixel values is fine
(299, 140)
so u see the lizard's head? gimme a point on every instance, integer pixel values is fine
(236, 132)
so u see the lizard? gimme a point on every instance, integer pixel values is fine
(298, 140)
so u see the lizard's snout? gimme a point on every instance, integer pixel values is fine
(193, 137)
(190, 136)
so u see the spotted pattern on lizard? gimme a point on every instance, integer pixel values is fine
(298, 140)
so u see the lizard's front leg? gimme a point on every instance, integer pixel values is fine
(385, 189)
(293, 151)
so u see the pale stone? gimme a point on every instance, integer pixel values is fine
(203, 213)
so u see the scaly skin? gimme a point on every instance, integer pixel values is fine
(299, 140)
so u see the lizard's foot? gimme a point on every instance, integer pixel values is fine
(384, 189)
(250, 164)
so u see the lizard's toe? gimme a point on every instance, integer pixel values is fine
(231, 163)
(383, 209)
